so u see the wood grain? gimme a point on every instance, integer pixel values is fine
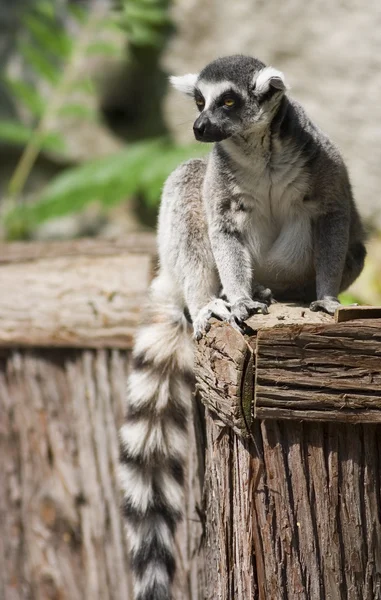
(68, 316)
(293, 497)
(133, 243)
(310, 529)
(325, 372)
(73, 301)
(292, 364)
(62, 535)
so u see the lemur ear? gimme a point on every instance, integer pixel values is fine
(184, 83)
(269, 78)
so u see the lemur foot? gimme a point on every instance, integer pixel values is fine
(215, 308)
(243, 308)
(262, 294)
(328, 304)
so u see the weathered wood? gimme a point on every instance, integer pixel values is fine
(133, 243)
(61, 531)
(315, 370)
(351, 313)
(61, 405)
(73, 301)
(221, 364)
(293, 507)
(310, 528)
(292, 367)
(229, 526)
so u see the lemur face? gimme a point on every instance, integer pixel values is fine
(234, 95)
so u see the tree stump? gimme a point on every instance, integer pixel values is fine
(68, 314)
(292, 491)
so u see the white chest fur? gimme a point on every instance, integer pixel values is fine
(277, 218)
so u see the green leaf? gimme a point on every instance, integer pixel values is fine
(139, 169)
(46, 9)
(103, 48)
(346, 298)
(13, 132)
(49, 35)
(108, 180)
(52, 141)
(85, 85)
(77, 111)
(143, 35)
(27, 95)
(150, 15)
(40, 64)
(156, 172)
(78, 13)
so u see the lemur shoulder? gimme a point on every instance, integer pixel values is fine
(269, 212)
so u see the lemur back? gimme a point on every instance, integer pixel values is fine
(271, 207)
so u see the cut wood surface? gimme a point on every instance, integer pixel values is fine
(326, 372)
(74, 294)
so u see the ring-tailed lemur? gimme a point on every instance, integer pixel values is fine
(271, 207)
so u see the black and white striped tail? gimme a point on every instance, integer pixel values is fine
(153, 444)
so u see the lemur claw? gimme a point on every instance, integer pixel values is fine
(328, 304)
(245, 307)
(215, 308)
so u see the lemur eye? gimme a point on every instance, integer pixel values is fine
(229, 102)
(200, 103)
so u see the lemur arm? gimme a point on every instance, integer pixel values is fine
(234, 264)
(330, 242)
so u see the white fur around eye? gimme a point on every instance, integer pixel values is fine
(211, 90)
(184, 83)
(266, 76)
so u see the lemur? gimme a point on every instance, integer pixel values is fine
(269, 211)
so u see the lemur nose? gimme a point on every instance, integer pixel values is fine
(199, 127)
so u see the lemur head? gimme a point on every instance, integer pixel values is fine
(234, 95)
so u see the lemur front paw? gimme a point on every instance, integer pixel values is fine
(328, 304)
(215, 308)
(243, 308)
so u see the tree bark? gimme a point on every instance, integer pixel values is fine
(293, 499)
(61, 532)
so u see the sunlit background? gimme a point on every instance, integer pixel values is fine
(89, 128)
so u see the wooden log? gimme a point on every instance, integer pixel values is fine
(293, 507)
(134, 243)
(87, 299)
(71, 309)
(292, 367)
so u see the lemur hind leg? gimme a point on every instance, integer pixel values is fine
(354, 264)
(185, 250)
(200, 282)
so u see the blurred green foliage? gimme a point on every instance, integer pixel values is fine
(138, 170)
(146, 22)
(50, 54)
